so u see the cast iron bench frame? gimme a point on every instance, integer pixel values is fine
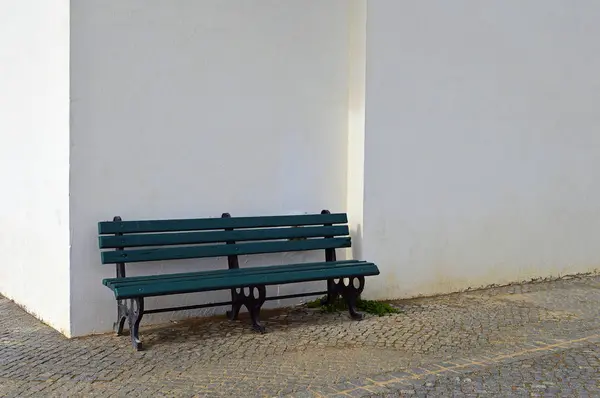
(221, 237)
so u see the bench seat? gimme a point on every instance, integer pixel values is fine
(160, 285)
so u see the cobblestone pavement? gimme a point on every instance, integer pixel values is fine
(532, 339)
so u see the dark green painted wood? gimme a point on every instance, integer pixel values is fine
(197, 285)
(186, 238)
(112, 227)
(132, 280)
(176, 253)
(227, 282)
(167, 279)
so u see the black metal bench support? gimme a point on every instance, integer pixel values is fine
(233, 263)
(349, 292)
(350, 289)
(121, 305)
(253, 299)
(121, 317)
(329, 257)
(236, 306)
(135, 312)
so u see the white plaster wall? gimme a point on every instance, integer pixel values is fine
(482, 142)
(192, 108)
(34, 157)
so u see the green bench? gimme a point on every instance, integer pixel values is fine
(230, 237)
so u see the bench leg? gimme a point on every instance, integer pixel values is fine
(135, 312)
(332, 293)
(351, 301)
(351, 292)
(235, 306)
(121, 317)
(235, 310)
(253, 302)
(255, 316)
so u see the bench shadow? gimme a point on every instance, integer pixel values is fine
(205, 328)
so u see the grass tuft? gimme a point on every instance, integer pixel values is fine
(369, 306)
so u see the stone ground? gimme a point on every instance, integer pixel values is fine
(539, 339)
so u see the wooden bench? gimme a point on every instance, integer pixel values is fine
(162, 240)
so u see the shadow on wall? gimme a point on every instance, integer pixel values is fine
(357, 243)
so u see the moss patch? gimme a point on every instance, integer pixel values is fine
(369, 306)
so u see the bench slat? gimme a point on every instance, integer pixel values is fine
(227, 282)
(183, 238)
(133, 280)
(199, 224)
(177, 253)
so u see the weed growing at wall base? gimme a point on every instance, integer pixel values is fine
(369, 306)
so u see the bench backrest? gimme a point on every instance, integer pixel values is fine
(155, 240)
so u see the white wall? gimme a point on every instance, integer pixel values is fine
(482, 142)
(34, 157)
(192, 108)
